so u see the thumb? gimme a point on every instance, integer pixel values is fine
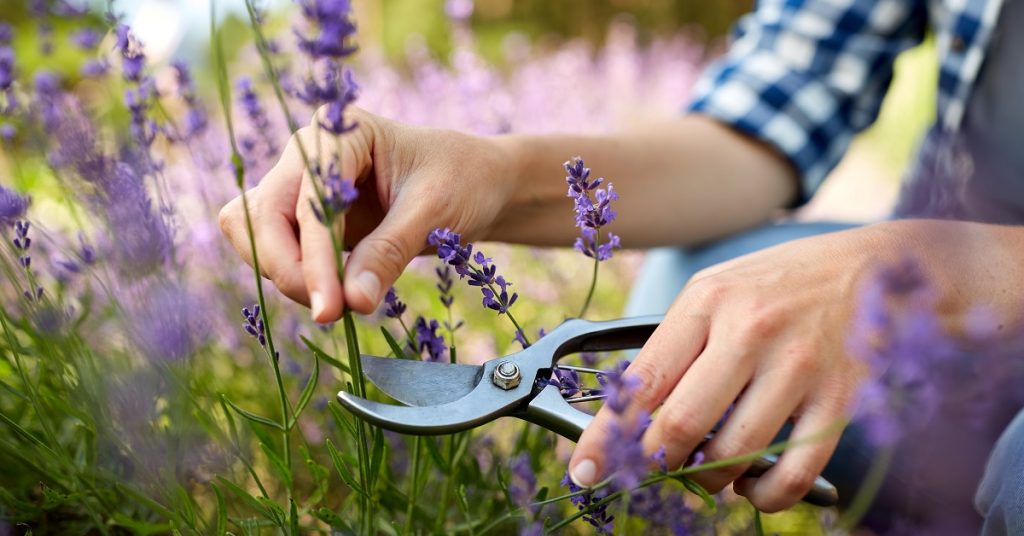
(381, 256)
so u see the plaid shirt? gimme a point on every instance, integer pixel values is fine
(806, 75)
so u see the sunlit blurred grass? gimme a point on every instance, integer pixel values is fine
(908, 109)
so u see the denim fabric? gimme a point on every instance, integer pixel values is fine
(1000, 498)
(929, 487)
(666, 270)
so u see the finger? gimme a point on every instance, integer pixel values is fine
(658, 367)
(271, 208)
(812, 443)
(319, 266)
(232, 225)
(757, 418)
(380, 257)
(698, 401)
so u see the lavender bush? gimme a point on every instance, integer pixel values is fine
(134, 397)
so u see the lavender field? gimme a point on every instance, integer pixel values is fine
(152, 383)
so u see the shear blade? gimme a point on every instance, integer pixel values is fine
(421, 383)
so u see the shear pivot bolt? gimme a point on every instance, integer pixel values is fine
(506, 375)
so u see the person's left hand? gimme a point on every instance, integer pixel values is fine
(767, 332)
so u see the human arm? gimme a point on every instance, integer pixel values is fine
(688, 180)
(769, 331)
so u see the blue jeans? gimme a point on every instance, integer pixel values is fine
(915, 489)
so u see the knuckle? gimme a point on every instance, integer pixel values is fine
(707, 290)
(803, 359)
(723, 448)
(289, 282)
(679, 424)
(793, 484)
(227, 217)
(765, 322)
(389, 252)
(650, 379)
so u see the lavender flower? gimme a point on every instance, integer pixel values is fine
(338, 195)
(6, 34)
(142, 239)
(86, 38)
(195, 116)
(479, 268)
(65, 9)
(567, 381)
(138, 101)
(165, 324)
(254, 110)
(393, 307)
(333, 119)
(904, 351)
(86, 252)
(334, 28)
(12, 206)
(593, 210)
(444, 286)
(522, 485)
(520, 337)
(599, 518)
(133, 60)
(618, 387)
(624, 448)
(253, 324)
(426, 338)
(47, 96)
(625, 452)
(95, 68)
(662, 511)
(251, 103)
(6, 67)
(22, 243)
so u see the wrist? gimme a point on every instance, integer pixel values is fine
(533, 189)
(969, 265)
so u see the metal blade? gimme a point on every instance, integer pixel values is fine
(421, 383)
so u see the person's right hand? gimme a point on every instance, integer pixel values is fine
(411, 180)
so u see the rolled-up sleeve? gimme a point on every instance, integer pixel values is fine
(804, 76)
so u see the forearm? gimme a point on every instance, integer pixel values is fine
(683, 182)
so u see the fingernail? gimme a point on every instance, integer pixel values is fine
(369, 284)
(583, 474)
(316, 304)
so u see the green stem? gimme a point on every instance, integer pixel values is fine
(409, 335)
(359, 389)
(442, 511)
(239, 167)
(451, 336)
(271, 351)
(414, 485)
(590, 293)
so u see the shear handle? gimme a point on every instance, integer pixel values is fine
(577, 335)
(550, 410)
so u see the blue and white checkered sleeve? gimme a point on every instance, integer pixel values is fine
(806, 75)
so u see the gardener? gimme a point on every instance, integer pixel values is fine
(769, 121)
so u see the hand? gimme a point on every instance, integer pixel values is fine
(767, 332)
(410, 181)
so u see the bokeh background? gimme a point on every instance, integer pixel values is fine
(861, 189)
(486, 66)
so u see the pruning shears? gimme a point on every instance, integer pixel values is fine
(443, 398)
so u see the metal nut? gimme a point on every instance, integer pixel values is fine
(506, 375)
